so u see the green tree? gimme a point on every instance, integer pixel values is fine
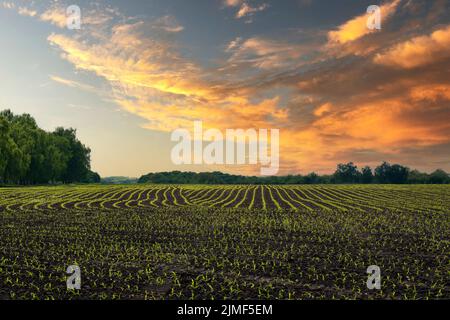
(386, 173)
(366, 175)
(346, 173)
(30, 155)
(78, 165)
(439, 177)
(417, 177)
(5, 146)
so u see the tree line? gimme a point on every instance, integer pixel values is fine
(387, 173)
(345, 173)
(30, 155)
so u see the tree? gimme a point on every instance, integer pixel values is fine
(382, 172)
(439, 177)
(92, 177)
(398, 174)
(346, 173)
(417, 177)
(21, 133)
(311, 178)
(385, 173)
(30, 155)
(78, 165)
(5, 146)
(366, 175)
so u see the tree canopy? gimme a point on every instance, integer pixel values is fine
(345, 173)
(30, 155)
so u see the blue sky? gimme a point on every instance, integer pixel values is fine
(139, 69)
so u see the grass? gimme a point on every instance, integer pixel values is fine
(203, 242)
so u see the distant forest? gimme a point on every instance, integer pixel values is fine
(345, 173)
(30, 155)
(118, 180)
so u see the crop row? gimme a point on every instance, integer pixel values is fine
(310, 198)
(210, 253)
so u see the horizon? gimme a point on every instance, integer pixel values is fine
(135, 72)
(251, 176)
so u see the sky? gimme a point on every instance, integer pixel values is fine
(337, 90)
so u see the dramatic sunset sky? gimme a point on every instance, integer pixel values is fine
(139, 69)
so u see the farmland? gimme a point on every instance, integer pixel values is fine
(225, 242)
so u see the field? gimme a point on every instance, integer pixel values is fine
(225, 242)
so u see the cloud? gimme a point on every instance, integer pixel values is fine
(72, 83)
(8, 5)
(127, 58)
(323, 109)
(93, 16)
(357, 27)
(168, 23)
(234, 44)
(56, 16)
(149, 78)
(370, 108)
(233, 3)
(247, 10)
(358, 102)
(23, 11)
(27, 12)
(263, 53)
(418, 51)
(435, 93)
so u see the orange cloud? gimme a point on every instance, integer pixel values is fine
(357, 27)
(56, 16)
(150, 79)
(431, 92)
(323, 109)
(326, 113)
(418, 51)
(384, 128)
(129, 60)
(27, 12)
(233, 3)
